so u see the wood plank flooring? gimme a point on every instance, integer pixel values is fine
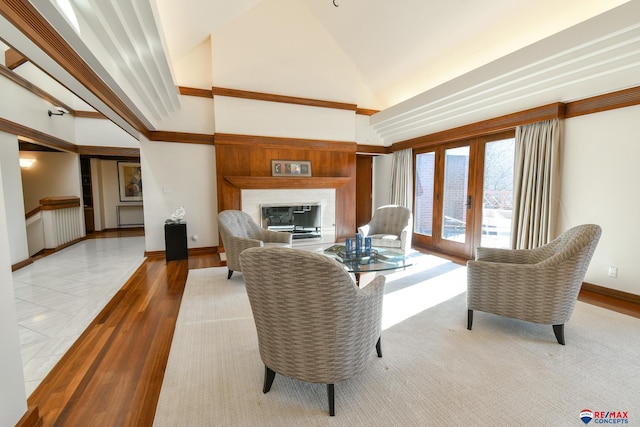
(113, 374)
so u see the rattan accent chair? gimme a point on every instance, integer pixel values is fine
(239, 232)
(390, 227)
(313, 323)
(539, 285)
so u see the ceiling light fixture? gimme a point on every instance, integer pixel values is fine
(59, 112)
(26, 163)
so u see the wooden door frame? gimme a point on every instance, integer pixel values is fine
(474, 189)
(364, 189)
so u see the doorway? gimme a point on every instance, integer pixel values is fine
(463, 194)
(364, 188)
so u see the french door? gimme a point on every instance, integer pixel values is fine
(462, 191)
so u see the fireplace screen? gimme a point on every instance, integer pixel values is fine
(304, 221)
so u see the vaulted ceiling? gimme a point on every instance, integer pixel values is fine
(401, 48)
(421, 59)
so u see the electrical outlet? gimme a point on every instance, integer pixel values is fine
(613, 271)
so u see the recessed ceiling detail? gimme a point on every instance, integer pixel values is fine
(601, 55)
(120, 40)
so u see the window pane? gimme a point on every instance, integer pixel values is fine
(497, 194)
(456, 175)
(425, 172)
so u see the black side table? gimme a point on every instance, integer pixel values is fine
(175, 241)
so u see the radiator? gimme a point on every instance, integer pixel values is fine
(62, 226)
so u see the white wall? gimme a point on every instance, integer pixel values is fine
(109, 196)
(102, 133)
(280, 47)
(364, 132)
(293, 56)
(250, 117)
(178, 175)
(382, 180)
(96, 189)
(53, 174)
(13, 396)
(13, 207)
(34, 74)
(194, 116)
(599, 185)
(194, 69)
(19, 105)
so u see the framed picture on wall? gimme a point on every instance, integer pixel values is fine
(290, 168)
(130, 181)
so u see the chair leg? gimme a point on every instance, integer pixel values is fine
(229, 275)
(330, 395)
(379, 347)
(269, 376)
(469, 319)
(558, 330)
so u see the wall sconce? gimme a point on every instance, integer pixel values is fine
(26, 163)
(59, 112)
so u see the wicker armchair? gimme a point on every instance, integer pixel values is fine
(313, 323)
(390, 227)
(239, 232)
(539, 285)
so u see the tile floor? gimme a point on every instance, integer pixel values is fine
(58, 296)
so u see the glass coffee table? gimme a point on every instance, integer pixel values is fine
(383, 259)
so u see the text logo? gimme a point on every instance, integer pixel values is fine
(586, 416)
(604, 417)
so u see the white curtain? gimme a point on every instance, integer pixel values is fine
(535, 174)
(402, 178)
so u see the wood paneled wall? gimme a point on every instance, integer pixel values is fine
(250, 156)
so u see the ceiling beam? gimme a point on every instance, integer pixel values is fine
(26, 19)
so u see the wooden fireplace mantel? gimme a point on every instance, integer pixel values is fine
(285, 182)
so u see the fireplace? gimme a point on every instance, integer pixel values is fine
(309, 214)
(301, 220)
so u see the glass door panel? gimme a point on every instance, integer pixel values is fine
(424, 190)
(497, 193)
(455, 196)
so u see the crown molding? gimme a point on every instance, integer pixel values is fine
(24, 83)
(366, 111)
(260, 96)
(89, 114)
(193, 91)
(90, 150)
(608, 101)
(182, 137)
(509, 121)
(13, 59)
(28, 134)
(284, 143)
(373, 150)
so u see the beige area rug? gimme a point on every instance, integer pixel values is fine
(434, 371)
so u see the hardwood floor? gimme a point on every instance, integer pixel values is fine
(630, 308)
(112, 375)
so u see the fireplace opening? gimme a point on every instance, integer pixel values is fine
(303, 221)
